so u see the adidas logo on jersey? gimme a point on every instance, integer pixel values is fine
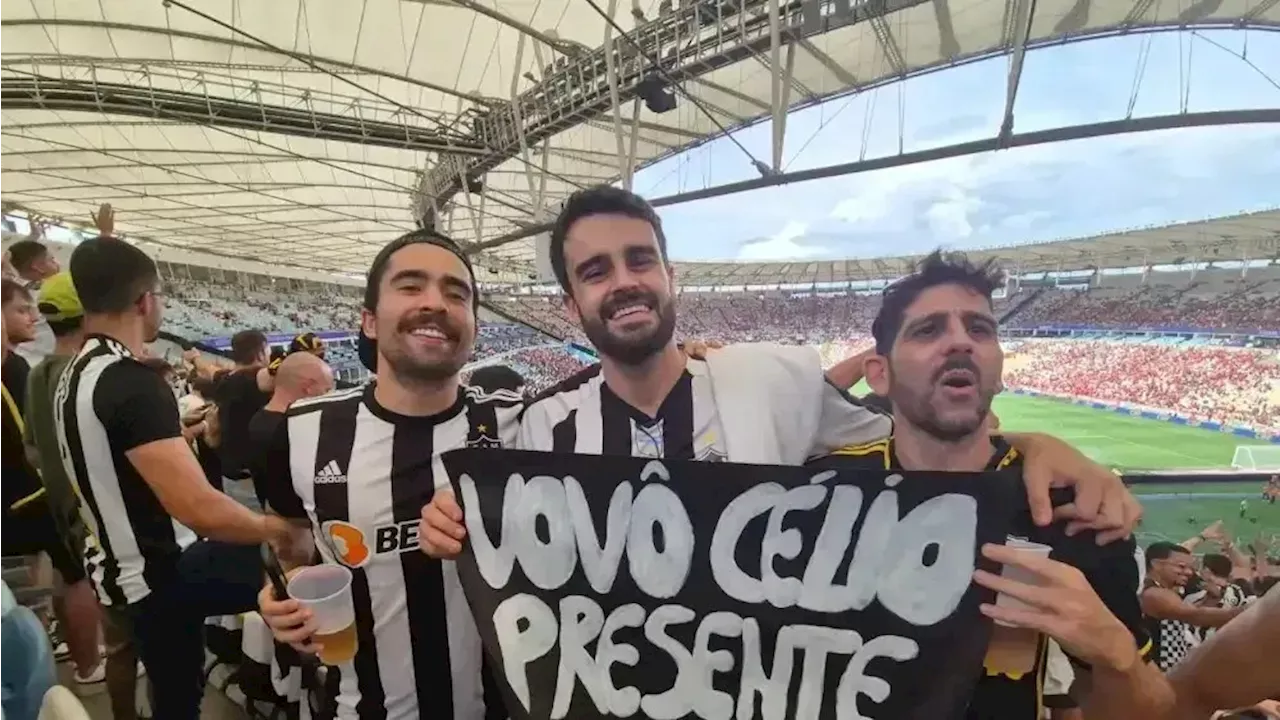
(330, 473)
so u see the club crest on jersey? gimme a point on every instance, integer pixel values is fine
(354, 548)
(483, 436)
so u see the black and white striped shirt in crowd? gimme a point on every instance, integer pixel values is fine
(360, 474)
(106, 404)
(583, 415)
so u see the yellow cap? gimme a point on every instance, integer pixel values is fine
(58, 300)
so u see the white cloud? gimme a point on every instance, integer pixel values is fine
(1026, 194)
(781, 246)
(950, 215)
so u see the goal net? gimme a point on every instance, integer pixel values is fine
(1256, 457)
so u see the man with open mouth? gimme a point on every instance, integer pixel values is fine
(938, 362)
(646, 398)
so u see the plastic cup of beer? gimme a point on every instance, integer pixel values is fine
(1013, 572)
(325, 590)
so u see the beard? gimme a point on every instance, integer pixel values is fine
(437, 366)
(635, 349)
(919, 404)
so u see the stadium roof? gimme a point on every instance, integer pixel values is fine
(310, 132)
(1253, 236)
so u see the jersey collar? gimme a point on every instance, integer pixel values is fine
(1002, 454)
(396, 418)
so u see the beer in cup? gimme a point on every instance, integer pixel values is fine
(325, 590)
(1013, 650)
(1018, 574)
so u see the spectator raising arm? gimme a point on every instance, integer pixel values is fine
(1235, 667)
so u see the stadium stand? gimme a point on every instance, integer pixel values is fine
(1093, 354)
(1199, 351)
(1230, 386)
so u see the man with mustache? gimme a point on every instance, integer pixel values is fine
(357, 466)
(1171, 622)
(938, 360)
(647, 399)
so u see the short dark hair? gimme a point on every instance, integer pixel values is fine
(110, 275)
(426, 236)
(1219, 565)
(247, 345)
(11, 289)
(937, 268)
(1162, 550)
(496, 377)
(25, 253)
(159, 364)
(62, 328)
(599, 200)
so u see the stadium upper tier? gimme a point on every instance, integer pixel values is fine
(1218, 301)
(1236, 237)
(309, 132)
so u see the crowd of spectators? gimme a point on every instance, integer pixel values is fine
(1232, 386)
(544, 366)
(730, 317)
(1236, 306)
(201, 309)
(1210, 383)
(495, 339)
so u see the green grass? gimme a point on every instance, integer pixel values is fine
(1172, 512)
(1120, 441)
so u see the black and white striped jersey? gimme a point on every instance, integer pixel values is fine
(583, 415)
(107, 403)
(361, 474)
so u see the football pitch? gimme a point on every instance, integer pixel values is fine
(1172, 511)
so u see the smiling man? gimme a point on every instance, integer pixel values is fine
(754, 403)
(357, 467)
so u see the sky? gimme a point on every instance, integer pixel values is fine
(1053, 191)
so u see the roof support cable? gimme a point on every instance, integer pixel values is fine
(1186, 88)
(1144, 53)
(656, 65)
(445, 129)
(182, 118)
(1241, 56)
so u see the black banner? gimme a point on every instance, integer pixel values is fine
(620, 587)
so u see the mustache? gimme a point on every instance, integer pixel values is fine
(438, 320)
(957, 362)
(623, 298)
